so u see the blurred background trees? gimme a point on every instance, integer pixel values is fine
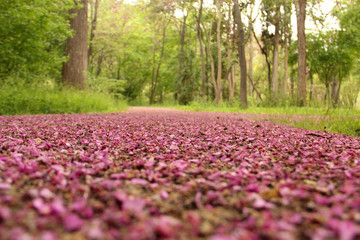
(178, 52)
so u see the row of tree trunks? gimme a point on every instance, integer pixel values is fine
(74, 70)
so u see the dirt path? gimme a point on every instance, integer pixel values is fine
(153, 173)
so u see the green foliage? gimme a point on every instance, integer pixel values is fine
(45, 99)
(348, 12)
(344, 121)
(32, 33)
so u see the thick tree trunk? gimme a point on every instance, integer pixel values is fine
(241, 52)
(301, 91)
(74, 70)
(335, 87)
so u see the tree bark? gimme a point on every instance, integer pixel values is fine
(156, 78)
(219, 60)
(275, 72)
(251, 55)
(182, 58)
(92, 30)
(241, 52)
(286, 68)
(268, 64)
(201, 51)
(301, 91)
(74, 70)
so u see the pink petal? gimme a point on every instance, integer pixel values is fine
(72, 222)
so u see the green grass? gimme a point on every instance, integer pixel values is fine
(21, 99)
(343, 121)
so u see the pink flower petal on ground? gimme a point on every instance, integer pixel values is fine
(167, 226)
(72, 222)
(42, 207)
(164, 195)
(94, 231)
(48, 236)
(5, 186)
(46, 193)
(57, 206)
(118, 176)
(120, 196)
(58, 168)
(180, 164)
(221, 237)
(252, 187)
(5, 213)
(346, 230)
(198, 200)
(139, 181)
(135, 205)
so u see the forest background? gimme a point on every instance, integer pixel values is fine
(67, 56)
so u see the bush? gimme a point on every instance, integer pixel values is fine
(19, 99)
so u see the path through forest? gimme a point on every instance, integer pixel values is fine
(152, 173)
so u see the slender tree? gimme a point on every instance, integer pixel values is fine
(275, 73)
(301, 86)
(74, 70)
(217, 86)
(241, 52)
(200, 37)
(94, 13)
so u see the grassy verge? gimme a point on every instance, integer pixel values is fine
(344, 121)
(21, 100)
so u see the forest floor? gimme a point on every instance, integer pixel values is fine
(152, 173)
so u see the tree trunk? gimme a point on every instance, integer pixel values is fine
(219, 60)
(241, 52)
(311, 88)
(231, 86)
(292, 85)
(287, 39)
(334, 92)
(251, 55)
(268, 64)
(201, 51)
(156, 79)
(99, 64)
(74, 70)
(275, 72)
(301, 91)
(286, 68)
(181, 58)
(92, 30)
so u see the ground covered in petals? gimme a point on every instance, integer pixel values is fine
(174, 175)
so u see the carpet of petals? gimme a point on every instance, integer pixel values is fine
(174, 175)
